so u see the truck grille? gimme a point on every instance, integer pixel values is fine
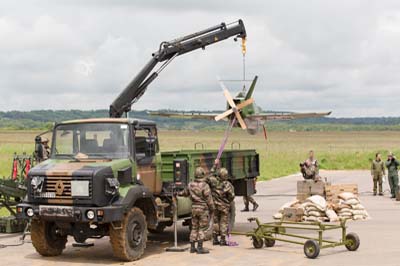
(58, 190)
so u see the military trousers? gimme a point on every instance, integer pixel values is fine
(247, 200)
(394, 184)
(221, 221)
(377, 179)
(200, 222)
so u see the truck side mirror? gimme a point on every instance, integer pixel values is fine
(150, 146)
(38, 149)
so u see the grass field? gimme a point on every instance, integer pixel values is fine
(281, 156)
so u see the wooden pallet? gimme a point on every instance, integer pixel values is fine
(333, 191)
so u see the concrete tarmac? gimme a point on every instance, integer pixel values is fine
(379, 236)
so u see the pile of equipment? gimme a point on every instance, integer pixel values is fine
(319, 201)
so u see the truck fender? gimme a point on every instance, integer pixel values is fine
(141, 197)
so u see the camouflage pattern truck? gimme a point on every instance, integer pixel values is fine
(107, 177)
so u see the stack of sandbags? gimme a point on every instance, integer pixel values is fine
(350, 207)
(315, 209)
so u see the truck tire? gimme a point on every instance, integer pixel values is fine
(45, 238)
(129, 240)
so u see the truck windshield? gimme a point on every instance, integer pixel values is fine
(94, 140)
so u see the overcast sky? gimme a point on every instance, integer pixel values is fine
(322, 55)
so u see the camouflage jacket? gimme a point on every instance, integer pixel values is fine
(377, 167)
(223, 192)
(392, 166)
(200, 194)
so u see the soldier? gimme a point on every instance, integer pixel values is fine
(250, 199)
(377, 172)
(223, 195)
(45, 148)
(310, 168)
(392, 165)
(202, 207)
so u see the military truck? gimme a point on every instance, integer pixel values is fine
(107, 176)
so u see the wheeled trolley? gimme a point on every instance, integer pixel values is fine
(267, 233)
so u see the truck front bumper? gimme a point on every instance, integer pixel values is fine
(70, 213)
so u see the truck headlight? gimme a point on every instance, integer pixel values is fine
(112, 186)
(37, 183)
(90, 214)
(29, 212)
(80, 188)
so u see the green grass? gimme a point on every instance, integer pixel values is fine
(280, 157)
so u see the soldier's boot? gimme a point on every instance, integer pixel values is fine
(246, 208)
(223, 241)
(193, 247)
(200, 249)
(215, 240)
(255, 206)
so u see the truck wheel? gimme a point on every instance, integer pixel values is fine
(46, 238)
(128, 241)
(158, 230)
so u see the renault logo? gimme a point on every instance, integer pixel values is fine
(59, 187)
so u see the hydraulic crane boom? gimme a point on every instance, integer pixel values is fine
(166, 53)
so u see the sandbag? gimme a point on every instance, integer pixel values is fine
(310, 218)
(347, 195)
(315, 213)
(345, 210)
(358, 217)
(333, 217)
(359, 212)
(342, 214)
(308, 204)
(312, 208)
(288, 205)
(352, 202)
(358, 207)
(318, 201)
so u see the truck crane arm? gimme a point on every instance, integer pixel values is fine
(166, 53)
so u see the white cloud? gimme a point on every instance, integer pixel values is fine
(315, 55)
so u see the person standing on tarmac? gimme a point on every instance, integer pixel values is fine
(249, 199)
(202, 208)
(392, 165)
(377, 172)
(223, 194)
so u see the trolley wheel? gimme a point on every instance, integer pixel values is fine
(311, 249)
(269, 242)
(352, 242)
(257, 242)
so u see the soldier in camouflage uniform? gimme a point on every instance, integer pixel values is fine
(202, 206)
(377, 172)
(249, 199)
(223, 195)
(310, 167)
(392, 165)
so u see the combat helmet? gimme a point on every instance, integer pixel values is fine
(223, 174)
(199, 173)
